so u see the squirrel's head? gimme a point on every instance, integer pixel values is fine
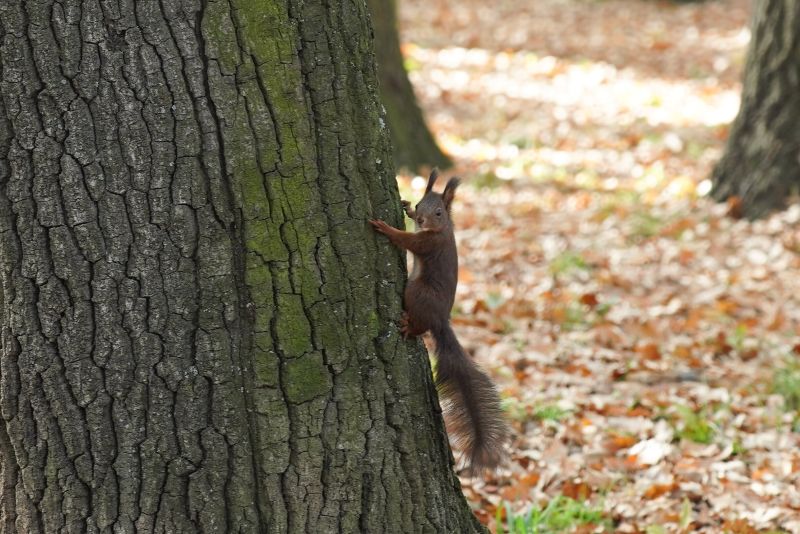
(433, 211)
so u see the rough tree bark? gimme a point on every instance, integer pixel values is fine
(196, 324)
(414, 145)
(761, 163)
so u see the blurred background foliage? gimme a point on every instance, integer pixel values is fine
(630, 247)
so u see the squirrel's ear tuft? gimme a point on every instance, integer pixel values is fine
(432, 180)
(450, 192)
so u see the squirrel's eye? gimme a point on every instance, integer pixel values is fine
(438, 213)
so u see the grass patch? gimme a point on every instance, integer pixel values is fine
(514, 409)
(694, 426)
(786, 383)
(487, 180)
(560, 515)
(646, 224)
(551, 412)
(518, 410)
(494, 300)
(568, 262)
(737, 338)
(575, 316)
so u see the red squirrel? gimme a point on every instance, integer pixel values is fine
(471, 402)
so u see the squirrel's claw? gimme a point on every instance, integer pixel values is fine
(379, 225)
(404, 332)
(405, 328)
(407, 208)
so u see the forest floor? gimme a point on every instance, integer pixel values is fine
(645, 341)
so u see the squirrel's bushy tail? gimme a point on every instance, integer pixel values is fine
(470, 402)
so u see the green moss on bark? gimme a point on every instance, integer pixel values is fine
(306, 378)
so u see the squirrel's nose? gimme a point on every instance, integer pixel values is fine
(421, 220)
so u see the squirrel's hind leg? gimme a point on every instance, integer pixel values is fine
(408, 328)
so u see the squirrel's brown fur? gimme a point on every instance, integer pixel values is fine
(470, 399)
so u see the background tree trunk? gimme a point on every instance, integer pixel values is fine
(761, 163)
(196, 323)
(414, 145)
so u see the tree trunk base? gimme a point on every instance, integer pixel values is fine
(761, 163)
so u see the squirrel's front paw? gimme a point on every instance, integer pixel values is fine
(380, 226)
(407, 208)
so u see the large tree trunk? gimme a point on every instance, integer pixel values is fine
(197, 324)
(414, 145)
(761, 164)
